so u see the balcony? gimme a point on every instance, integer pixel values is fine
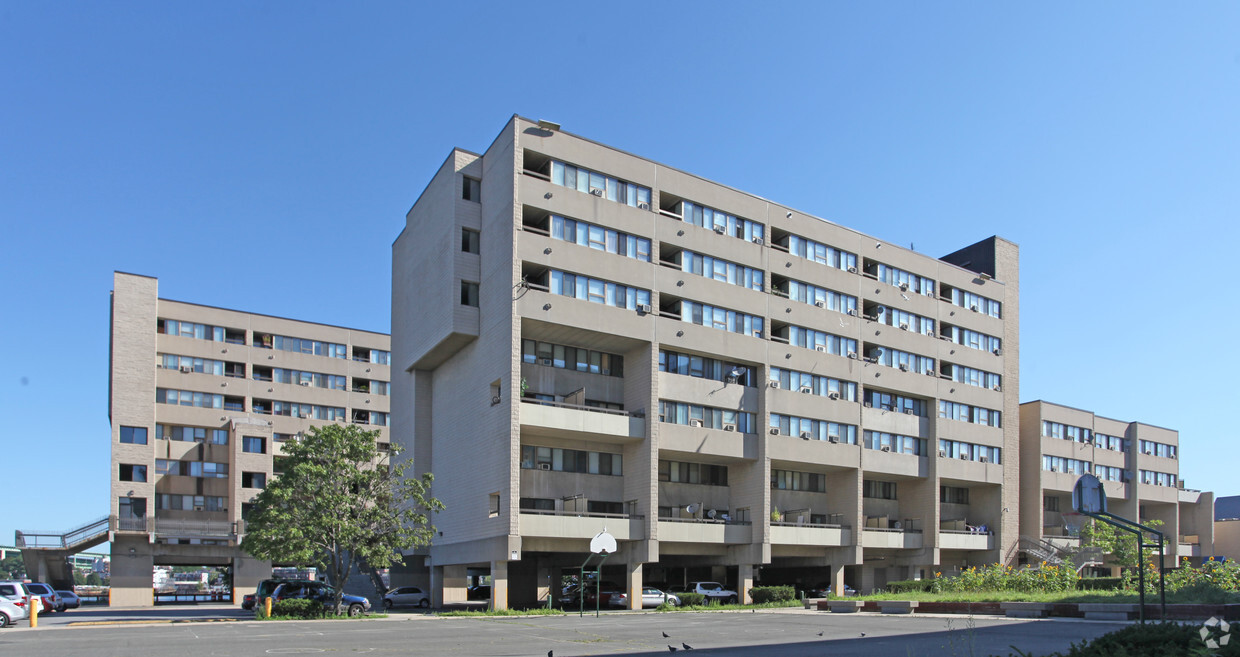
(577, 525)
(965, 540)
(690, 530)
(559, 419)
(791, 533)
(897, 539)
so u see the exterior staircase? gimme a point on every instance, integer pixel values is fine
(46, 554)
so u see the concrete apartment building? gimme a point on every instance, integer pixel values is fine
(1138, 465)
(200, 400)
(621, 345)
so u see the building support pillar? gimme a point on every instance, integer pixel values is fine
(633, 580)
(499, 585)
(247, 573)
(744, 582)
(454, 584)
(837, 581)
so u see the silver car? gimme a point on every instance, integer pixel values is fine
(651, 597)
(407, 596)
(15, 602)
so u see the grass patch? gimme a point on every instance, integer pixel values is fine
(539, 611)
(1112, 597)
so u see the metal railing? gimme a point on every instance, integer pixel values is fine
(706, 521)
(580, 514)
(576, 407)
(62, 540)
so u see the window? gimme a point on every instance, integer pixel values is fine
(972, 414)
(572, 358)
(253, 479)
(471, 190)
(133, 435)
(806, 481)
(254, 445)
(970, 376)
(1050, 503)
(693, 473)
(812, 339)
(721, 270)
(1065, 465)
(191, 502)
(1157, 478)
(469, 294)
(904, 280)
(706, 417)
(300, 345)
(537, 504)
(890, 442)
(820, 253)
(705, 368)
(470, 240)
(571, 460)
(879, 490)
(493, 505)
(1151, 448)
(814, 295)
(614, 508)
(597, 291)
(814, 384)
(903, 360)
(600, 238)
(976, 303)
(720, 318)
(132, 507)
(811, 429)
(192, 330)
(590, 182)
(188, 398)
(956, 449)
(953, 495)
(892, 402)
(133, 472)
(726, 224)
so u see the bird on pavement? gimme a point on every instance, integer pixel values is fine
(820, 634)
(687, 646)
(666, 635)
(549, 653)
(671, 648)
(863, 634)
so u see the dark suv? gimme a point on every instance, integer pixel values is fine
(264, 590)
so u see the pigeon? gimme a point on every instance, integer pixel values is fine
(666, 635)
(549, 653)
(671, 648)
(820, 634)
(863, 634)
(687, 646)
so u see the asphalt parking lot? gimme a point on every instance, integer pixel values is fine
(227, 631)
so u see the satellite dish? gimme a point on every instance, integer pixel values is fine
(691, 508)
(880, 310)
(711, 514)
(1088, 496)
(603, 543)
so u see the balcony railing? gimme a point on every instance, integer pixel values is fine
(581, 407)
(581, 514)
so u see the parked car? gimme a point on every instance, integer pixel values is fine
(264, 590)
(51, 600)
(572, 597)
(71, 600)
(480, 592)
(848, 590)
(714, 592)
(354, 605)
(407, 596)
(651, 597)
(15, 602)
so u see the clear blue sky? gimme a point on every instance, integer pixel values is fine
(262, 156)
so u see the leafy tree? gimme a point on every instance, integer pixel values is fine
(12, 566)
(1120, 544)
(93, 579)
(337, 500)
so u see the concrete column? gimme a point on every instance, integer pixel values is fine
(132, 565)
(247, 572)
(744, 582)
(454, 585)
(633, 579)
(837, 581)
(546, 588)
(499, 585)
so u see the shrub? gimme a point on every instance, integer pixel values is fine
(764, 594)
(998, 577)
(297, 608)
(1099, 583)
(908, 586)
(1149, 640)
(691, 599)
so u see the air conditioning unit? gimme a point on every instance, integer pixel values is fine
(852, 312)
(694, 422)
(759, 241)
(973, 308)
(868, 405)
(942, 453)
(186, 369)
(1056, 469)
(596, 191)
(643, 206)
(806, 435)
(820, 304)
(964, 457)
(930, 372)
(544, 466)
(773, 384)
(806, 389)
(833, 395)
(819, 347)
(546, 361)
(903, 326)
(719, 230)
(774, 431)
(996, 388)
(304, 384)
(984, 459)
(885, 448)
(852, 270)
(833, 439)
(852, 355)
(909, 411)
(729, 427)
(904, 287)
(878, 310)
(930, 333)
(643, 308)
(757, 333)
(903, 367)
(998, 352)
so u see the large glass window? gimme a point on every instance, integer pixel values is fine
(705, 368)
(821, 253)
(133, 435)
(188, 398)
(957, 449)
(821, 341)
(972, 414)
(811, 429)
(601, 185)
(976, 303)
(903, 360)
(300, 345)
(889, 401)
(905, 320)
(597, 291)
(721, 222)
(720, 318)
(570, 460)
(814, 384)
(706, 417)
(600, 238)
(906, 281)
(974, 377)
(790, 480)
(693, 473)
(721, 270)
(821, 296)
(254, 444)
(890, 442)
(191, 330)
(571, 358)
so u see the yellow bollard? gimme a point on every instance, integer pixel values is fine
(267, 607)
(35, 603)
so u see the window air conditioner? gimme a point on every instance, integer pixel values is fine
(546, 361)
(833, 439)
(544, 466)
(904, 287)
(643, 206)
(998, 352)
(806, 435)
(774, 431)
(759, 241)
(186, 369)
(903, 326)
(852, 355)
(852, 270)
(596, 191)
(909, 411)
(930, 333)
(773, 384)
(806, 389)
(304, 384)
(984, 459)
(973, 308)
(852, 312)
(820, 304)
(885, 448)
(996, 388)
(694, 422)
(942, 453)
(903, 367)
(819, 347)
(833, 395)
(868, 405)
(930, 372)
(729, 427)
(719, 229)
(643, 308)
(964, 457)
(1054, 468)
(757, 333)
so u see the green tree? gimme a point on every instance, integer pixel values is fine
(1120, 544)
(93, 579)
(337, 500)
(12, 566)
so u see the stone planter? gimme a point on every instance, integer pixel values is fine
(1110, 612)
(842, 606)
(1026, 609)
(897, 606)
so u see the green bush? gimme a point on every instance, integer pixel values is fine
(1149, 640)
(907, 586)
(1048, 578)
(691, 599)
(1099, 583)
(297, 608)
(765, 594)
